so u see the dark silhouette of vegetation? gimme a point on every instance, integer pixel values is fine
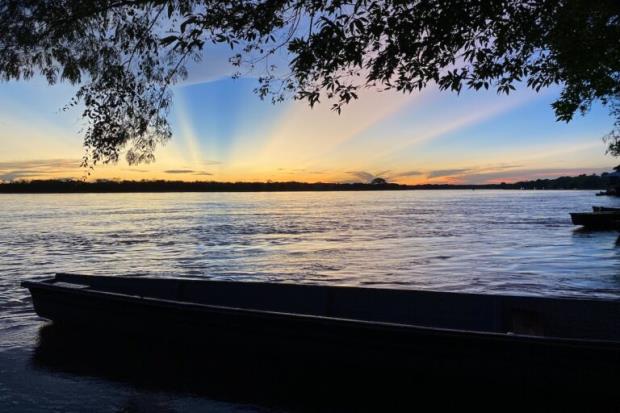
(125, 54)
(74, 186)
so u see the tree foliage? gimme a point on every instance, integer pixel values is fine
(125, 54)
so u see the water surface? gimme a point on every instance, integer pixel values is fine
(508, 242)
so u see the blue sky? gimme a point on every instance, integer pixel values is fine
(223, 131)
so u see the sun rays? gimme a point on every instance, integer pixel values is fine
(223, 131)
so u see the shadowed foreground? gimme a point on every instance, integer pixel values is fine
(239, 372)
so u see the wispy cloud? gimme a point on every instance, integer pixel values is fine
(16, 175)
(41, 163)
(12, 170)
(179, 171)
(476, 170)
(478, 174)
(386, 174)
(525, 174)
(136, 170)
(304, 171)
(448, 122)
(405, 174)
(440, 173)
(187, 171)
(363, 175)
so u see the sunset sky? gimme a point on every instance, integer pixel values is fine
(223, 131)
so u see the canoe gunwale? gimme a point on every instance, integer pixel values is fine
(47, 281)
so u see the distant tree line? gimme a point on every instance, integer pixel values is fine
(74, 186)
(71, 186)
(570, 182)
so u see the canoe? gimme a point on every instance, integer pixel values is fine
(607, 193)
(597, 220)
(444, 335)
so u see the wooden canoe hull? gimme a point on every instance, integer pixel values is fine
(325, 345)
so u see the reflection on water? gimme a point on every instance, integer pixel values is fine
(478, 241)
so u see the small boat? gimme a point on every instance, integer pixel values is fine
(609, 192)
(605, 209)
(572, 341)
(597, 220)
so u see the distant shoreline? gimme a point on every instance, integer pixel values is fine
(582, 182)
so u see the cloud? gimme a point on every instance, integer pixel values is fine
(297, 171)
(41, 164)
(186, 171)
(179, 171)
(406, 174)
(506, 172)
(387, 175)
(516, 175)
(363, 175)
(40, 168)
(477, 170)
(17, 174)
(446, 172)
(136, 170)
